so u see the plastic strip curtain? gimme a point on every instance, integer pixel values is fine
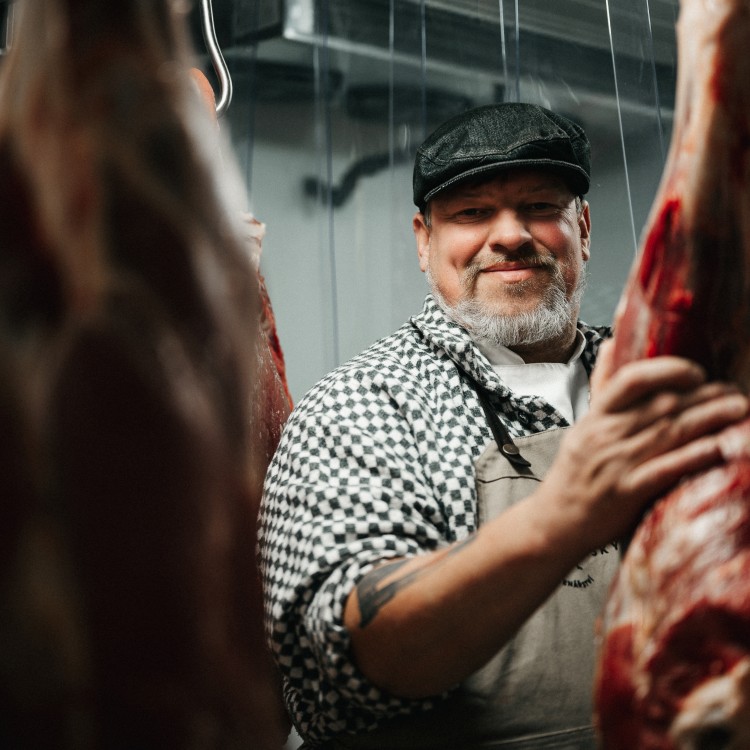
(645, 123)
(510, 30)
(329, 142)
(395, 88)
(324, 138)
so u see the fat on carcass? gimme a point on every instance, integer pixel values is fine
(674, 662)
(139, 398)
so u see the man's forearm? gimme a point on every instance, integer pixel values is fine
(420, 625)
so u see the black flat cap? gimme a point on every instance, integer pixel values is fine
(501, 136)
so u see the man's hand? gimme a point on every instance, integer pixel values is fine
(651, 423)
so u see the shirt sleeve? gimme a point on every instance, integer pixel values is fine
(348, 488)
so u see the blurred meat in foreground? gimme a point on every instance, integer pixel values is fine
(674, 669)
(139, 398)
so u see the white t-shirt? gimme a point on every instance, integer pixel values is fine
(564, 385)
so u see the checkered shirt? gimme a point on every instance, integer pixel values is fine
(376, 462)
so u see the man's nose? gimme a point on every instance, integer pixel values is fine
(508, 231)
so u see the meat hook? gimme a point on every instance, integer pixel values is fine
(220, 65)
(7, 28)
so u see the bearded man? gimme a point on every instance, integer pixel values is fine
(441, 520)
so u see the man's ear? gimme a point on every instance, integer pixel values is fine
(422, 235)
(584, 225)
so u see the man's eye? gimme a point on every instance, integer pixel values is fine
(470, 212)
(541, 207)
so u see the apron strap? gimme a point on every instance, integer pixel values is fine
(504, 441)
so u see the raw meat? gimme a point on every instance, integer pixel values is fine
(139, 397)
(674, 666)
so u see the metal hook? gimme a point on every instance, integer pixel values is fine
(7, 31)
(220, 65)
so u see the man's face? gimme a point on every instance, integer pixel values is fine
(501, 243)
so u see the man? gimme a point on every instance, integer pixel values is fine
(436, 542)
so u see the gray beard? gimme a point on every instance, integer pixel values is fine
(550, 320)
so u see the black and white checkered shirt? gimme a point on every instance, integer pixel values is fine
(376, 462)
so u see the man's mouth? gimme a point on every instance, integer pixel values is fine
(512, 272)
(518, 269)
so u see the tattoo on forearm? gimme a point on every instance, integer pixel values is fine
(372, 597)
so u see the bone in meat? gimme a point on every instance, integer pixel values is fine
(674, 664)
(135, 425)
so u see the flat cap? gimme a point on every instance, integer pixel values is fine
(501, 136)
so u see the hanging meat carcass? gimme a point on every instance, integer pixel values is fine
(674, 666)
(138, 397)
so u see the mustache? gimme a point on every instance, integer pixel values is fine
(529, 258)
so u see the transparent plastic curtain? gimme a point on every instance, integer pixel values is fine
(324, 194)
(328, 157)
(642, 42)
(610, 65)
(644, 76)
(510, 31)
